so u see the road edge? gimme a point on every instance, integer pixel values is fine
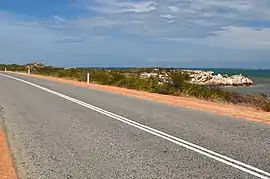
(7, 167)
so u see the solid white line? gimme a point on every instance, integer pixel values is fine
(206, 152)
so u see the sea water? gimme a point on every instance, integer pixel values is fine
(260, 77)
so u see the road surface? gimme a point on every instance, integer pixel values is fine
(58, 130)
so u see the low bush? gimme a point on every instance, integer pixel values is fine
(266, 107)
(162, 89)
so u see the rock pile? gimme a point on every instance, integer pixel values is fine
(204, 78)
(34, 65)
(162, 76)
(208, 78)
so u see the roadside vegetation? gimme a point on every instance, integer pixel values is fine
(177, 83)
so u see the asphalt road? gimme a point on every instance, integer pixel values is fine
(53, 136)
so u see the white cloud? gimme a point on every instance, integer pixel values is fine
(78, 43)
(167, 16)
(233, 37)
(174, 9)
(59, 18)
(187, 18)
(140, 6)
(218, 23)
(118, 6)
(170, 21)
(241, 38)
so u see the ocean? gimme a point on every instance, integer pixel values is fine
(260, 77)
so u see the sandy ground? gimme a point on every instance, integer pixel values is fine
(6, 167)
(220, 108)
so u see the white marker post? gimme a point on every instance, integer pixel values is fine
(28, 71)
(5, 69)
(88, 78)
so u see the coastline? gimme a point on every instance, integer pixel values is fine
(260, 77)
(261, 85)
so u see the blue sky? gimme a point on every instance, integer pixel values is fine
(171, 33)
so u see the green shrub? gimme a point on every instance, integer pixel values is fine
(266, 107)
(115, 77)
(178, 80)
(101, 77)
(263, 95)
(162, 89)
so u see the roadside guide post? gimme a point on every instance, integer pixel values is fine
(5, 69)
(88, 78)
(28, 71)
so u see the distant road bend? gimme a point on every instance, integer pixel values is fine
(58, 130)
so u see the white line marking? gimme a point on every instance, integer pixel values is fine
(206, 152)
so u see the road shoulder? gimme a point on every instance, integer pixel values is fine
(6, 166)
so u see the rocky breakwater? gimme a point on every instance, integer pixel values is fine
(208, 78)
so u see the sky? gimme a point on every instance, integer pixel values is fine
(136, 33)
